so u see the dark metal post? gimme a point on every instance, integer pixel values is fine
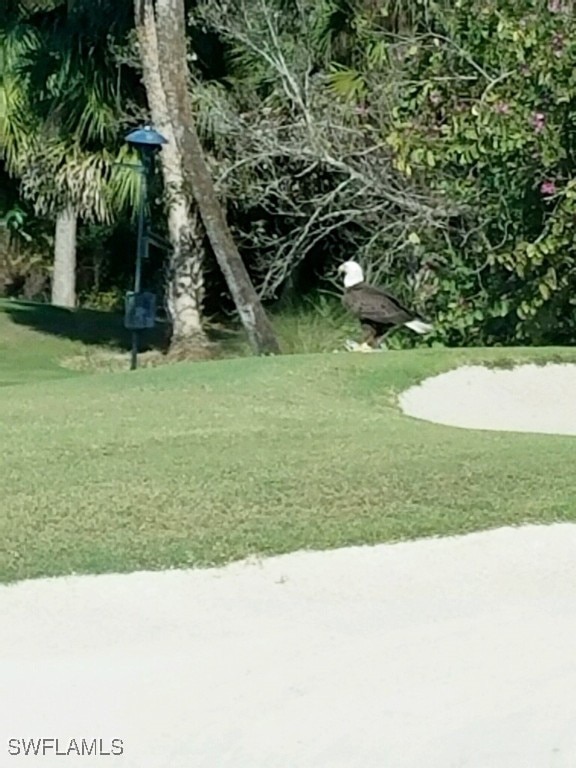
(141, 253)
(147, 141)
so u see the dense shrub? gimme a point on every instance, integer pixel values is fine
(487, 118)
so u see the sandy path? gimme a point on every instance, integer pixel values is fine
(430, 654)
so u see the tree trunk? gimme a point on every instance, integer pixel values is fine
(185, 276)
(171, 30)
(185, 289)
(64, 271)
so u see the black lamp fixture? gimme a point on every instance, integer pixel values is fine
(140, 309)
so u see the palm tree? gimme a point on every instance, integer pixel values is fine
(59, 114)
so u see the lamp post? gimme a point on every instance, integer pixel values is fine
(140, 307)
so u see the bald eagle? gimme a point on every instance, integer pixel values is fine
(378, 311)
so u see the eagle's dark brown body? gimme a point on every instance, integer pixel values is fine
(378, 311)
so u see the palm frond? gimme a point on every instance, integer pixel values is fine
(347, 83)
(60, 106)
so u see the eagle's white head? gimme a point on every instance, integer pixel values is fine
(353, 273)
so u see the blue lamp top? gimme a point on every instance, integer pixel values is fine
(146, 137)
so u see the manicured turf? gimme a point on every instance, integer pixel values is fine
(195, 464)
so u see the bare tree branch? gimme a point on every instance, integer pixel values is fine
(308, 159)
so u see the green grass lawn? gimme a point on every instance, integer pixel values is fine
(202, 463)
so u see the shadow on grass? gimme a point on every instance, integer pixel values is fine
(88, 326)
(106, 329)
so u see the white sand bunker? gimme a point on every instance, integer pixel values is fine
(530, 398)
(436, 654)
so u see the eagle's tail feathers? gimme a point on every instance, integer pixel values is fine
(419, 326)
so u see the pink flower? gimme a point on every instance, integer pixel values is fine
(558, 42)
(502, 108)
(559, 6)
(435, 98)
(539, 121)
(548, 188)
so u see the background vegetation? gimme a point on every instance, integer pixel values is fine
(432, 140)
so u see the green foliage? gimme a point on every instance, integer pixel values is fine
(62, 98)
(317, 324)
(486, 118)
(15, 222)
(104, 301)
(25, 247)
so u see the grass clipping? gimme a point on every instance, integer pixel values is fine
(116, 361)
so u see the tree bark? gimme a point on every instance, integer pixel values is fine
(185, 275)
(171, 30)
(185, 284)
(64, 270)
